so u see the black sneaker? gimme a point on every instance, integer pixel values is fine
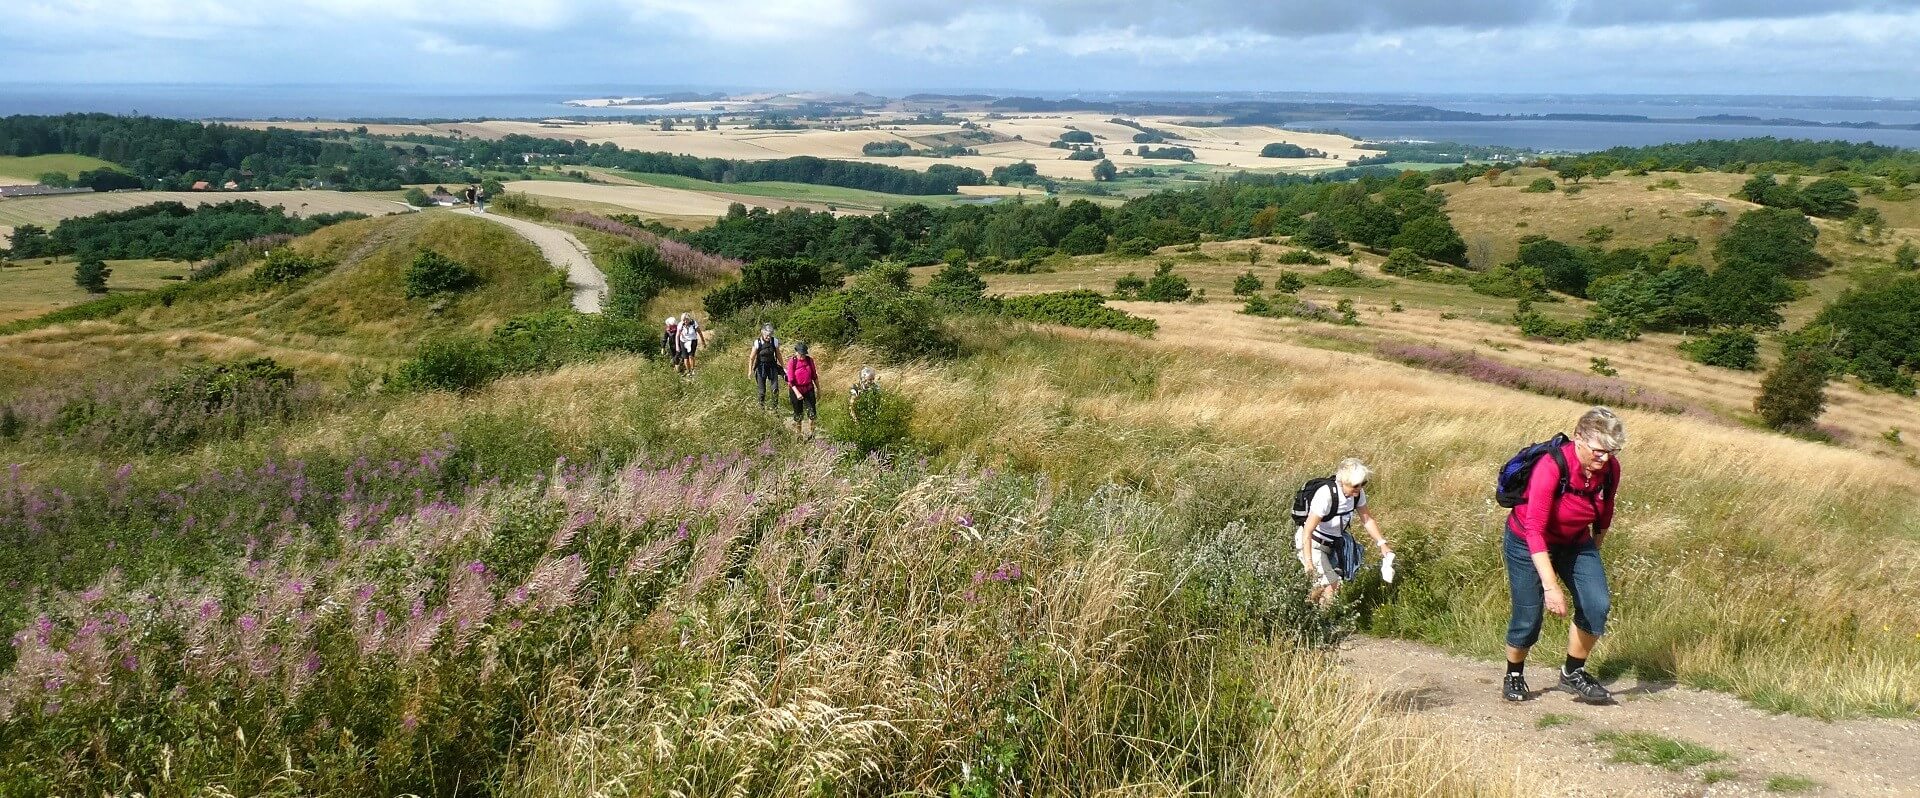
(1584, 687)
(1515, 688)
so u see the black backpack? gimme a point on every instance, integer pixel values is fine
(1303, 499)
(1511, 488)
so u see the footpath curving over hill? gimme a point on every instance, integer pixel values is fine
(562, 249)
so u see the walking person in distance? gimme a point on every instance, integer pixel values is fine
(1562, 493)
(689, 343)
(763, 365)
(803, 390)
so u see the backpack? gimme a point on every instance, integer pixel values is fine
(1510, 490)
(1303, 500)
(800, 373)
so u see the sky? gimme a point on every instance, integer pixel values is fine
(1808, 47)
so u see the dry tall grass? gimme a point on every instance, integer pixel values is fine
(1784, 571)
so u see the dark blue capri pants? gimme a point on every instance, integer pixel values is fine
(1579, 569)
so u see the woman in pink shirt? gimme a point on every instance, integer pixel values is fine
(1557, 532)
(801, 379)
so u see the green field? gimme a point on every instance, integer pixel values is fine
(29, 168)
(30, 288)
(852, 198)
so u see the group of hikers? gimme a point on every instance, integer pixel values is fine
(681, 341)
(1560, 494)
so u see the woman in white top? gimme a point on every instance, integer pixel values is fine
(1330, 517)
(689, 342)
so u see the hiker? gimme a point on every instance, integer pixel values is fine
(1325, 509)
(689, 343)
(801, 376)
(869, 383)
(473, 198)
(763, 364)
(1562, 493)
(670, 341)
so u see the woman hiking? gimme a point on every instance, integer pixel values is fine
(689, 343)
(1552, 550)
(670, 341)
(803, 390)
(763, 365)
(1329, 518)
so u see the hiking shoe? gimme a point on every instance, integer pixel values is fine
(1584, 687)
(1515, 688)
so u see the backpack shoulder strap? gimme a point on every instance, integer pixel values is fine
(1566, 475)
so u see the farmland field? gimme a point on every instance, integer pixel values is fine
(26, 170)
(30, 288)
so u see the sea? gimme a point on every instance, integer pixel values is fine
(1677, 114)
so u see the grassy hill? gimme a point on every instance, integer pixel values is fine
(1066, 572)
(355, 314)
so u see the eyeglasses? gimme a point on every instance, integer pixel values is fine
(1597, 450)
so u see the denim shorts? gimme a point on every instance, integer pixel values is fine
(1580, 571)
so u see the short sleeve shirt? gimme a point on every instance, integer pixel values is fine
(1326, 503)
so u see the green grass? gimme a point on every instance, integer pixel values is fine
(1644, 748)
(852, 198)
(30, 288)
(31, 167)
(1790, 782)
(1717, 775)
(1552, 719)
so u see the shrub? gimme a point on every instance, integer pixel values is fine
(1300, 257)
(1247, 284)
(1405, 262)
(1534, 325)
(433, 274)
(1240, 578)
(1876, 332)
(884, 425)
(1511, 283)
(1165, 286)
(417, 198)
(1907, 256)
(1348, 315)
(1343, 277)
(284, 265)
(767, 280)
(876, 312)
(1128, 286)
(635, 275)
(1794, 393)
(165, 413)
(1540, 185)
(453, 364)
(91, 274)
(1600, 366)
(957, 286)
(1733, 349)
(1138, 247)
(1288, 283)
(1080, 308)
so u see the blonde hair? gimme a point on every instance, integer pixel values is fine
(1601, 428)
(1352, 472)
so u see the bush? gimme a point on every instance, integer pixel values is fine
(284, 265)
(1540, 185)
(1511, 283)
(956, 286)
(432, 274)
(1300, 257)
(1139, 247)
(91, 274)
(764, 281)
(1534, 325)
(1405, 262)
(453, 364)
(1288, 283)
(1240, 578)
(885, 423)
(1876, 332)
(1165, 286)
(417, 198)
(635, 275)
(1129, 286)
(1077, 137)
(1247, 284)
(1080, 308)
(167, 413)
(1281, 149)
(875, 312)
(1733, 349)
(1794, 393)
(1343, 277)
(1906, 257)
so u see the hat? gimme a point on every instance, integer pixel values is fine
(671, 320)
(800, 348)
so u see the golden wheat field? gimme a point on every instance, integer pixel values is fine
(48, 211)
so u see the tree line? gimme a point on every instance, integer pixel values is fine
(163, 230)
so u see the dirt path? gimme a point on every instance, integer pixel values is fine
(561, 248)
(1856, 757)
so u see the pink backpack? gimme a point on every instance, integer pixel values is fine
(800, 372)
